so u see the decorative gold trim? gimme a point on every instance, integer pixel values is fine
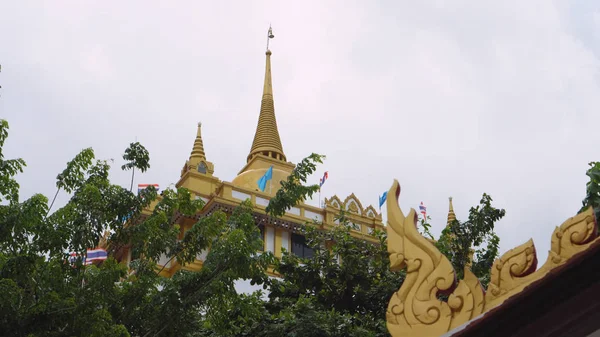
(414, 310)
(372, 209)
(516, 268)
(332, 202)
(356, 208)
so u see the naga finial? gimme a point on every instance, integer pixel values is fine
(415, 310)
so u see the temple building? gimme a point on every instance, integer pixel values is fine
(266, 150)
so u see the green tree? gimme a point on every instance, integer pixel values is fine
(138, 157)
(592, 195)
(47, 295)
(473, 241)
(9, 188)
(73, 175)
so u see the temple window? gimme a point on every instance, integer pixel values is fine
(202, 167)
(300, 248)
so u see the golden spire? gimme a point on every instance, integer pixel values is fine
(451, 215)
(198, 149)
(197, 161)
(266, 139)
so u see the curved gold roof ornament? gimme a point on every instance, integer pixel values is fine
(414, 310)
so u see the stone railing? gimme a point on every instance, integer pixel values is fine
(301, 213)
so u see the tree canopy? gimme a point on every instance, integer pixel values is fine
(47, 295)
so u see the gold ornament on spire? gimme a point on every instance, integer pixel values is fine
(269, 36)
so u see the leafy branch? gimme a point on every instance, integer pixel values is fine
(138, 157)
(592, 195)
(292, 190)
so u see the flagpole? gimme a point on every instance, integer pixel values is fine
(320, 197)
(84, 268)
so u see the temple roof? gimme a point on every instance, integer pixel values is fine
(451, 215)
(197, 160)
(564, 303)
(198, 149)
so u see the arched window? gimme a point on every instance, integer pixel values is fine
(202, 167)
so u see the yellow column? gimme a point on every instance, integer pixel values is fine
(278, 242)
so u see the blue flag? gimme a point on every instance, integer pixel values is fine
(262, 182)
(382, 199)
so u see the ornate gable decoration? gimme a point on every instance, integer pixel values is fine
(414, 309)
(370, 212)
(334, 202)
(204, 167)
(353, 205)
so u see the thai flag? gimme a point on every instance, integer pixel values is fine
(98, 254)
(73, 257)
(143, 186)
(92, 255)
(322, 180)
(423, 209)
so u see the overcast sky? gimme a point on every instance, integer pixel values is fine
(452, 98)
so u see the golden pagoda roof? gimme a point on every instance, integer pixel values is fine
(451, 215)
(266, 139)
(198, 149)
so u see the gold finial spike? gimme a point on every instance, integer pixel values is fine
(269, 36)
(198, 149)
(266, 139)
(451, 215)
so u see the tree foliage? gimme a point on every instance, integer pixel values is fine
(46, 295)
(292, 190)
(473, 241)
(136, 156)
(592, 195)
(9, 188)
